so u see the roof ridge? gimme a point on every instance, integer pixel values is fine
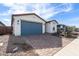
(27, 14)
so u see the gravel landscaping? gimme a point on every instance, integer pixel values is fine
(38, 45)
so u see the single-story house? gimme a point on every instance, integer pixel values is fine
(2, 27)
(61, 27)
(5, 29)
(51, 26)
(31, 24)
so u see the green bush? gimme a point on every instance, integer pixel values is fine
(69, 30)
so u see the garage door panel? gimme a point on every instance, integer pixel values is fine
(30, 28)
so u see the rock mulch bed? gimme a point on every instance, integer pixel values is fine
(44, 45)
(6, 40)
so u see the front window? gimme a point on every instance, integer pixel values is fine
(17, 21)
(54, 28)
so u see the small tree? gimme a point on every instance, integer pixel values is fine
(69, 30)
(77, 29)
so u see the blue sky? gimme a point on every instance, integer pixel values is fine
(64, 13)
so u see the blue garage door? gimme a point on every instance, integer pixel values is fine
(30, 28)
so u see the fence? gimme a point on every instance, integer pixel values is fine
(5, 30)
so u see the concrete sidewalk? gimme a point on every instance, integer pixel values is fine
(70, 50)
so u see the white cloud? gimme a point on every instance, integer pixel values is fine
(68, 7)
(55, 10)
(16, 8)
(6, 22)
(40, 9)
(22, 8)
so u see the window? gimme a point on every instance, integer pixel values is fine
(17, 21)
(54, 28)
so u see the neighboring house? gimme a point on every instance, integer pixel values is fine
(51, 26)
(61, 29)
(1, 24)
(30, 24)
(5, 29)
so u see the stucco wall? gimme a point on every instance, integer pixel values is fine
(32, 18)
(54, 25)
(16, 27)
(49, 27)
